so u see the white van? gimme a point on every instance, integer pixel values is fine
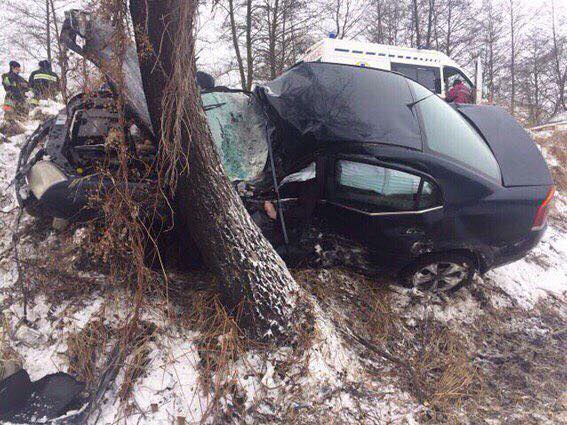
(431, 68)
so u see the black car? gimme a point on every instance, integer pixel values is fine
(433, 191)
(438, 191)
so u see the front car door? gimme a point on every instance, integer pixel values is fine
(387, 207)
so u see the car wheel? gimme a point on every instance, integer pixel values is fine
(445, 272)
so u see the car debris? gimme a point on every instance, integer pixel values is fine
(23, 401)
(434, 192)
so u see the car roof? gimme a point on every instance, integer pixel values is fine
(318, 104)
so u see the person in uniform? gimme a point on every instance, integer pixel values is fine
(15, 101)
(44, 83)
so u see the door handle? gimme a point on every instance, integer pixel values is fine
(413, 231)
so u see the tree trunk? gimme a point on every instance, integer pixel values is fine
(62, 56)
(430, 23)
(250, 273)
(512, 60)
(416, 23)
(48, 30)
(234, 33)
(249, 57)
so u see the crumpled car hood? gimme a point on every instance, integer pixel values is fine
(98, 46)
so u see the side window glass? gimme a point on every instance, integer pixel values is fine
(429, 196)
(427, 76)
(409, 71)
(453, 74)
(384, 189)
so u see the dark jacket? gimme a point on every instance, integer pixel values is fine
(44, 83)
(16, 88)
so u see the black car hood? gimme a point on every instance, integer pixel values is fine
(519, 158)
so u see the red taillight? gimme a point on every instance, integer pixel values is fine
(543, 210)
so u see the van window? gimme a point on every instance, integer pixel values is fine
(450, 74)
(428, 76)
(449, 134)
(385, 189)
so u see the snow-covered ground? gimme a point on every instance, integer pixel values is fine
(333, 378)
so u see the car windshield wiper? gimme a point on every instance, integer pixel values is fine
(213, 106)
(412, 104)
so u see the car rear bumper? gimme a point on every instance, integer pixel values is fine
(516, 251)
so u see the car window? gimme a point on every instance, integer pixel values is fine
(386, 188)
(451, 74)
(429, 197)
(427, 76)
(449, 134)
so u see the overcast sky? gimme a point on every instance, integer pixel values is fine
(212, 52)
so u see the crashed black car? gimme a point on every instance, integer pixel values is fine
(433, 191)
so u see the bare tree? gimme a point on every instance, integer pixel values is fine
(384, 21)
(492, 30)
(237, 28)
(559, 57)
(533, 76)
(516, 22)
(250, 273)
(343, 17)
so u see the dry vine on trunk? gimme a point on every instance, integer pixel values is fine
(252, 277)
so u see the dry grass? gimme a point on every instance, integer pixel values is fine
(431, 361)
(557, 146)
(87, 351)
(7, 353)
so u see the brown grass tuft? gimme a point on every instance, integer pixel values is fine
(87, 351)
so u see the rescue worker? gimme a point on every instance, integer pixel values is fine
(459, 93)
(44, 83)
(15, 102)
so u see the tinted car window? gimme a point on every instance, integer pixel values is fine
(430, 196)
(449, 134)
(393, 190)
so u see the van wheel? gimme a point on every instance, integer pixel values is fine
(444, 272)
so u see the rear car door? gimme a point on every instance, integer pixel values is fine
(388, 207)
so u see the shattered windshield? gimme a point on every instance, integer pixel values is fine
(238, 128)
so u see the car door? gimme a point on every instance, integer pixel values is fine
(392, 209)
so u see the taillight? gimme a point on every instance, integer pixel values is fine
(542, 211)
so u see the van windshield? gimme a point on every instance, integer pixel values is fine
(450, 135)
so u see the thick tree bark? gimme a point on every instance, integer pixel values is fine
(250, 273)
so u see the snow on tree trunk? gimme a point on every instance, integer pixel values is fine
(250, 273)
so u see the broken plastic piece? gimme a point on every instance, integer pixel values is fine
(24, 401)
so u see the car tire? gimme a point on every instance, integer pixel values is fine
(440, 272)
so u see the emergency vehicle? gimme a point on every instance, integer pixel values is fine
(431, 68)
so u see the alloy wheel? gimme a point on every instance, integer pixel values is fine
(440, 276)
